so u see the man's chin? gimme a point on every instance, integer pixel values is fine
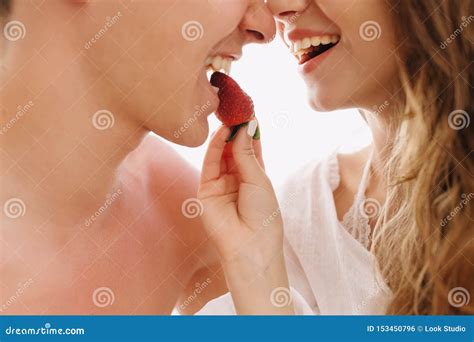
(193, 137)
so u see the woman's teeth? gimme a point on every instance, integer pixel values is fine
(300, 47)
(218, 63)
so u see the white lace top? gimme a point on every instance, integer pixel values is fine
(356, 220)
(331, 271)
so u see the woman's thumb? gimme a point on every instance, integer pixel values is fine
(244, 155)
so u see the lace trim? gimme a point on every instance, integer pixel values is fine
(355, 221)
(357, 224)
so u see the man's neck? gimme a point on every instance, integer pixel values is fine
(61, 146)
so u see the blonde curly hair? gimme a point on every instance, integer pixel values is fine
(424, 239)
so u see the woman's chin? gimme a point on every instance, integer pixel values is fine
(320, 107)
(326, 103)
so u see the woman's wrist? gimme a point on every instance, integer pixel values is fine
(258, 288)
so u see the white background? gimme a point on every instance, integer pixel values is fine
(292, 133)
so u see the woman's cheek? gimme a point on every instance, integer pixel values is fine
(335, 10)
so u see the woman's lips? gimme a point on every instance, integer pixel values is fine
(313, 63)
(306, 43)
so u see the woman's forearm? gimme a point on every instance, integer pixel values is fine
(259, 289)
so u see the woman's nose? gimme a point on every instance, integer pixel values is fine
(258, 23)
(285, 10)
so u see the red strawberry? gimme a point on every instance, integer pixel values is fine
(235, 107)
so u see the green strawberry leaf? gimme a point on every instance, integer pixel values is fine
(235, 130)
(256, 136)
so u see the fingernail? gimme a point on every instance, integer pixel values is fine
(252, 127)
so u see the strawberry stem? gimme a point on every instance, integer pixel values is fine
(235, 130)
(256, 136)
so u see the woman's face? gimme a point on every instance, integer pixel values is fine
(162, 51)
(354, 64)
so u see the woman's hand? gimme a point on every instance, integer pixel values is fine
(242, 217)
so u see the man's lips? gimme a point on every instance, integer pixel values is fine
(219, 62)
(222, 61)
